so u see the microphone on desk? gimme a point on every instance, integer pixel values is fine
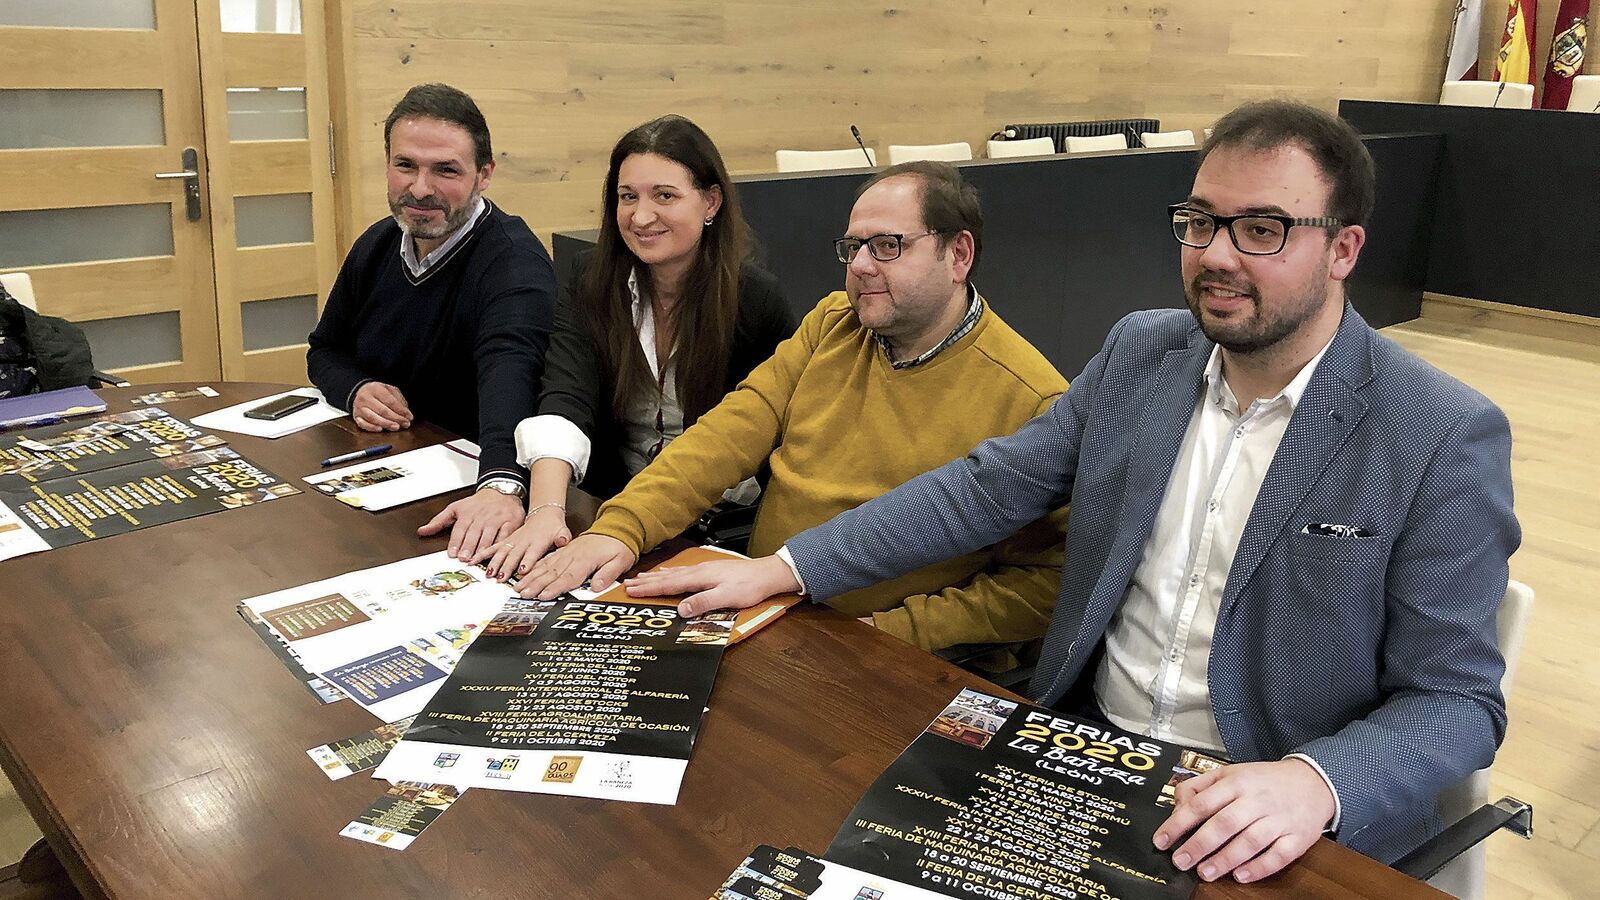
(856, 133)
(1497, 93)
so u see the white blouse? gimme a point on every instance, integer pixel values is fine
(650, 422)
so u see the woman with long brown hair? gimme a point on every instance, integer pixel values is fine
(668, 315)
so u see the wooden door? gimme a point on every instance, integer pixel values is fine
(97, 99)
(264, 73)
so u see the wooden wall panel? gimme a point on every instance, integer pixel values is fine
(560, 82)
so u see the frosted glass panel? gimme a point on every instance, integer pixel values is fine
(44, 237)
(281, 322)
(266, 114)
(79, 13)
(80, 118)
(260, 16)
(272, 219)
(134, 340)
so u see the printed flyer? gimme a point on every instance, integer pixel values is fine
(399, 816)
(394, 480)
(314, 684)
(95, 445)
(768, 873)
(166, 396)
(386, 636)
(597, 697)
(1010, 801)
(341, 759)
(74, 509)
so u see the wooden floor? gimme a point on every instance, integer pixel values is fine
(1549, 387)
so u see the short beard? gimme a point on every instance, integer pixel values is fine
(1257, 332)
(453, 218)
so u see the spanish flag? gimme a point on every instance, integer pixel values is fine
(1566, 52)
(1514, 62)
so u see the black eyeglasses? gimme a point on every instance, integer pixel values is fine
(883, 247)
(1255, 235)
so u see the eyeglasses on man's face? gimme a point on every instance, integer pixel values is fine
(1256, 235)
(883, 247)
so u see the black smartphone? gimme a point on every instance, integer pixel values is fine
(277, 409)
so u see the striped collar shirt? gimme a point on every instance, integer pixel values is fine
(967, 323)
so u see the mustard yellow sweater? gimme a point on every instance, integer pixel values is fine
(840, 426)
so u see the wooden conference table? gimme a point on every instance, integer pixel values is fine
(161, 747)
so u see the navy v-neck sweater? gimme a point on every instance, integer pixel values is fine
(464, 343)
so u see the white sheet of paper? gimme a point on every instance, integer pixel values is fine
(16, 538)
(231, 418)
(427, 472)
(606, 776)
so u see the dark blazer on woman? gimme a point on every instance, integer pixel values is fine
(577, 388)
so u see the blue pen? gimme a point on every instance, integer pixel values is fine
(368, 453)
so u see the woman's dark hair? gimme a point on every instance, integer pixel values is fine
(703, 318)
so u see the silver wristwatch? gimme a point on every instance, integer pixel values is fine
(508, 486)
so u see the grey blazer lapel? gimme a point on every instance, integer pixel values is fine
(1328, 412)
(1151, 450)
(1162, 425)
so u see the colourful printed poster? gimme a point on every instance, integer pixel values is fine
(386, 636)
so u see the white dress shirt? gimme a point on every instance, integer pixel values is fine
(1152, 678)
(652, 420)
(419, 269)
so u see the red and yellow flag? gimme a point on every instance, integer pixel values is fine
(1567, 47)
(1514, 62)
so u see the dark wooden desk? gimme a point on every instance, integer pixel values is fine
(162, 749)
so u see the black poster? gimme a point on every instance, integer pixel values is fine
(585, 697)
(74, 509)
(95, 445)
(1008, 800)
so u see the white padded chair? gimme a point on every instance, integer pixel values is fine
(817, 160)
(1039, 146)
(20, 286)
(1585, 96)
(1463, 877)
(1487, 93)
(956, 152)
(1166, 138)
(1095, 144)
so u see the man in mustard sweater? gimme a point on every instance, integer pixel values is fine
(905, 370)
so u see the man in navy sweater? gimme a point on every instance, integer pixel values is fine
(443, 311)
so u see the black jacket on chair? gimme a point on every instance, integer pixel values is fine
(58, 346)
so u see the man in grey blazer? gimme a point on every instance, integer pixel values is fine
(1288, 538)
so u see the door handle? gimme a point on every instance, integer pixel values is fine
(191, 181)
